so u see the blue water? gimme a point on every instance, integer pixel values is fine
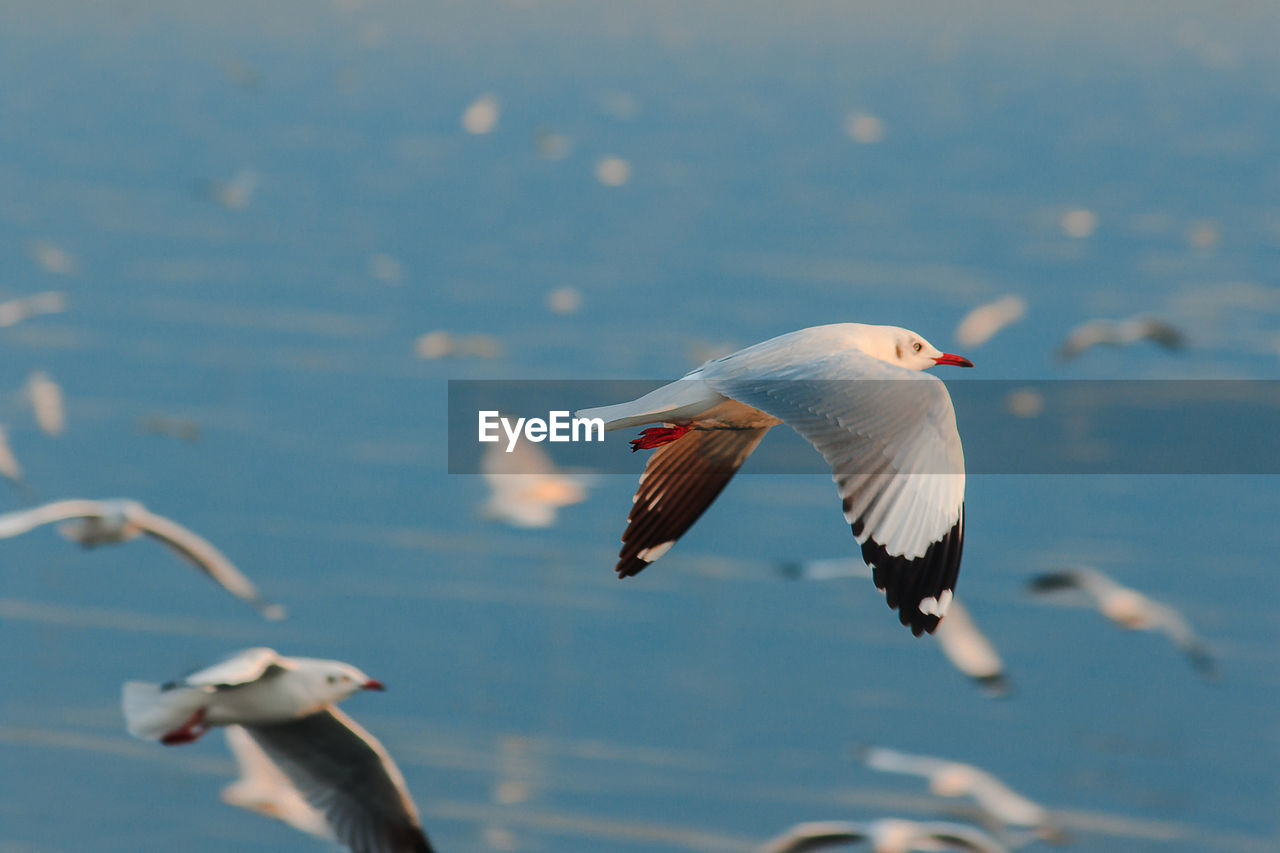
(706, 704)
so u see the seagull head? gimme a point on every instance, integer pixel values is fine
(904, 348)
(334, 680)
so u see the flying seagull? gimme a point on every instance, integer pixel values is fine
(970, 651)
(961, 642)
(287, 707)
(982, 323)
(855, 392)
(1130, 609)
(953, 779)
(1120, 333)
(887, 835)
(93, 523)
(525, 487)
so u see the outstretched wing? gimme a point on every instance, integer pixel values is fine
(204, 556)
(889, 435)
(344, 772)
(679, 482)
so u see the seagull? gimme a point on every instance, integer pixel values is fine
(1120, 333)
(1130, 609)
(893, 447)
(970, 651)
(93, 523)
(45, 397)
(953, 779)
(9, 465)
(982, 323)
(264, 788)
(525, 488)
(287, 707)
(15, 311)
(960, 640)
(887, 835)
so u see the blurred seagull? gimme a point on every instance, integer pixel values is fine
(525, 488)
(93, 523)
(1120, 333)
(45, 397)
(25, 307)
(958, 637)
(970, 651)
(1129, 608)
(953, 779)
(264, 788)
(887, 835)
(855, 392)
(9, 466)
(287, 707)
(981, 324)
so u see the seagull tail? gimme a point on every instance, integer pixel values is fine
(682, 399)
(151, 710)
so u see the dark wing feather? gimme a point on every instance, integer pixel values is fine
(679, 483)
(346, 774)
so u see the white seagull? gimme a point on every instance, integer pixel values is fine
(970, 651)
(961, 642)
(93, 523)
(888, 835)
(525, 487)
(855, 392)
(953, 779)
(287, 706)
(1130, 609)
(1120, 333)
(981, 324)
(45, 397)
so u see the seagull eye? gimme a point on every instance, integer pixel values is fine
(917, 346)
(333, 679)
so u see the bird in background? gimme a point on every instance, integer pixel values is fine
(99, 522)
(984, 322)
(287, 707)
(1130, 609)
(887, 835)
(45, 398)
(856, 393)
(1118, 333)
(959, 638)
(526, 489)
(997, 801)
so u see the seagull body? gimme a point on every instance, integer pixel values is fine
(954, 779)
(887, 835)
(93, 523)
(982, 323)
(970, 651)
(890, 439)
(45, 397)
(1130, 609)
(525, 487)
(1120, 333)
(350, 787)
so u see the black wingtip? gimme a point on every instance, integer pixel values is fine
(908, 582)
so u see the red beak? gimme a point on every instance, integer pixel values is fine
(373, 684)
(957, 360)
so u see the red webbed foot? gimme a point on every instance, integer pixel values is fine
(657, 436)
